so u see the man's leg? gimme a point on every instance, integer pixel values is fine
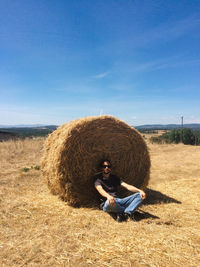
(124, 206)
(116, 209)
(130, 204)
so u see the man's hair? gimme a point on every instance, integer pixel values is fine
(102, 162)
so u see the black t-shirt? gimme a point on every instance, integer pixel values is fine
(110, 185)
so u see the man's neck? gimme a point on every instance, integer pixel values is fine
(106, 175)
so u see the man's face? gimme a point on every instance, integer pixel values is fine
(106, 167)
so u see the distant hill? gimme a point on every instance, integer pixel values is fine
(145, 126)
(22, 132)
(27, 126)
(193, 126)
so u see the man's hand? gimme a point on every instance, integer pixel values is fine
(142, 194)
(111, 201)
(134, 189)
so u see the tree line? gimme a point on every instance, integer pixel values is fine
(185, 136)
(24, 132)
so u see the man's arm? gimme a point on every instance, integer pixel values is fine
(134, 189)
(102, 192)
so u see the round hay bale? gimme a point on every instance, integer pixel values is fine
(72, 154)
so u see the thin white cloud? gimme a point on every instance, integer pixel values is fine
(162, 33)
(165, 63)
(101, 75)
(173, 30)
(168, 31)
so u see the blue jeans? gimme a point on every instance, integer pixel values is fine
(128, 204)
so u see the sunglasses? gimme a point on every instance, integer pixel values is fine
(109, 166)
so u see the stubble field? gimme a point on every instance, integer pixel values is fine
(39, 229)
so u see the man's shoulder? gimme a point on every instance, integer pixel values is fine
(97, 178)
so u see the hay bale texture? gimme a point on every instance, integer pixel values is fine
(72, 154)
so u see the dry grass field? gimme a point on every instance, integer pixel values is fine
(38, 229)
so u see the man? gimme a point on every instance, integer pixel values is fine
(107, 185)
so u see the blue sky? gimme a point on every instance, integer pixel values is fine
(136, 60)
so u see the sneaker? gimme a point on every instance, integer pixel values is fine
(127, 216)
(120, 217)
(130, 216)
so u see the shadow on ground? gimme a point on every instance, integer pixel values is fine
(141, 215)
(152, 197)
(138, 215)
(156, 197)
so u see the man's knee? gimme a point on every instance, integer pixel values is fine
(108, 208)
(138, 195)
